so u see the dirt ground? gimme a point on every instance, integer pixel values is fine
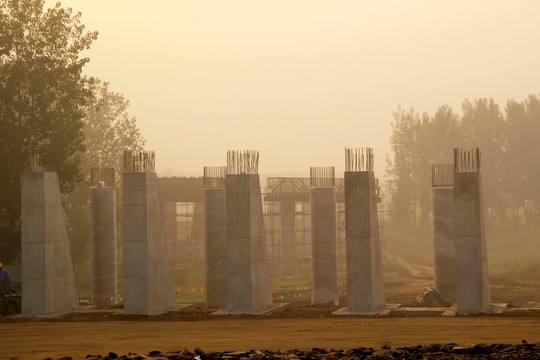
(296, 326)
(39, 340)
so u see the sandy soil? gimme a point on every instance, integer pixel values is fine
(39, 340)
(298, 326)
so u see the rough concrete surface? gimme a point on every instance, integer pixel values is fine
(471, 254)
(444, 242)
(324, 245)
(249, 275)
(47, 277)
(364, 251)
(215, 232)
(147, 279)
(104, 258)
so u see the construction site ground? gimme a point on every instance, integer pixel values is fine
(299, 325)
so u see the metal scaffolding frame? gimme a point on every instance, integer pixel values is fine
(186, 240)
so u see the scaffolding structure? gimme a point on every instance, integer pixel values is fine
(186, 239)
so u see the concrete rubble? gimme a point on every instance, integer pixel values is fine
(432, 351)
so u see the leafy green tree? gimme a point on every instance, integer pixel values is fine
(510, 150)
(520, 157)
(42, 102)
(404, 166)
(483, 125)
(108, 130)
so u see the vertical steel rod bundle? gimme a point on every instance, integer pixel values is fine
(323, 176)
(214, 176)
(105, 174)
(139, 161)
(36, 163)
(442, 175)
(242, 162)
(466, 160)
(359, 159)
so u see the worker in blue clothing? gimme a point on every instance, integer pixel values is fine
(4, 276)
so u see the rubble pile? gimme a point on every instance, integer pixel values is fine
(434, 351)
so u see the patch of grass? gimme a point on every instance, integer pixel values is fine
(391, 281)
(528, 269)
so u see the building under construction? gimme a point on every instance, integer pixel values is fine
(287, 219)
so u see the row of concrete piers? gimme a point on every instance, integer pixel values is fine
(237, 269)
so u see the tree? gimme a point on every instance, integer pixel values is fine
(108, 131)
(510, 149)
(403, 168)
(42, 101)
(520, 158)
(483, 125)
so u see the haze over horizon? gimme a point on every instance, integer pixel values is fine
(299, 81)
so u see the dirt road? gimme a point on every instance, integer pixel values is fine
(39, 340)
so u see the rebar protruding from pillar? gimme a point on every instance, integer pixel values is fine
(442, 175)
(466, 161)
(139, 161)
(214, 177)
(359, 159)
(242, 162)
(36, 163)
(103, 175)
(323, 176)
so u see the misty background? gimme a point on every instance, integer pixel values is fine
(300, 80)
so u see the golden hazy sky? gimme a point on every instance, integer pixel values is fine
(301, 80)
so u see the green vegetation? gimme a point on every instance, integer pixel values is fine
(50, 110)
(508, 140)
(528, 269)
(42, 101)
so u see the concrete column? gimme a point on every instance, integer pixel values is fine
(249, 275)
(170, 226)
(288, 239)
(471, 255)
(104, 263)
(48, 282)
(197, 232)
(215, 230)
(365, 286)
(444, 242)
(147, 280)
(324, 245)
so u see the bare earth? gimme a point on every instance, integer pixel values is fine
(39, 340)
(298, 326)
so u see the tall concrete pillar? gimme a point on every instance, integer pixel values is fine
(323, 235)
(471, 255)
(215, 231)
(365, 286)
(170, 226)
(103, 221)
(444, 242)
(48, 282)
(147, 279)
(197, 231)
(288, 238)
(249, 274)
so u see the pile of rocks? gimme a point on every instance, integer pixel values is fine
(434, 351)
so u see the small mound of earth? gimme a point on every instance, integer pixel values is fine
(429, 298)
(433, 351)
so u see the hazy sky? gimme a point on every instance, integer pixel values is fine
(301, 80)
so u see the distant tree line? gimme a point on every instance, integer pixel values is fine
(48, 108)
(508, 139)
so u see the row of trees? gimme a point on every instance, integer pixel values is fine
(508, 140)
(48, 108)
